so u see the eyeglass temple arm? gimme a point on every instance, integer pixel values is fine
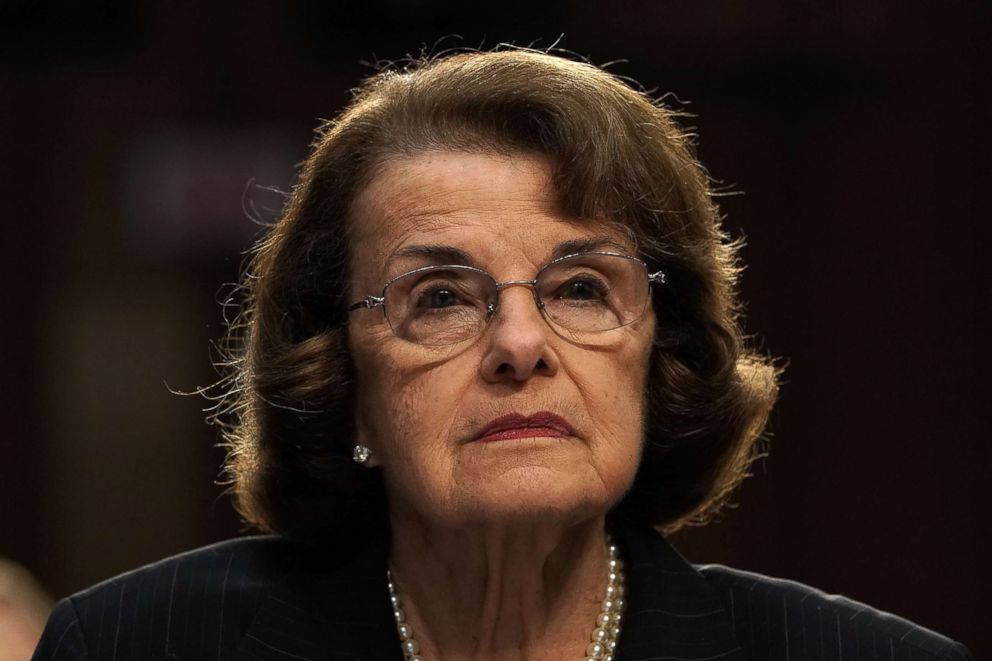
(367, 303)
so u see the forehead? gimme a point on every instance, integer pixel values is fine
(491, 206)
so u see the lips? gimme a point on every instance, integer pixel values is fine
(538, 425)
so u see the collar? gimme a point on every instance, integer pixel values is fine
(672, 611)
(329, 609)
(330, 606)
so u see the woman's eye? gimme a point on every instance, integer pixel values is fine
(439, 297)
(582, 290)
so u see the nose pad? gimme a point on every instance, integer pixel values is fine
(495, 306)
(530, 284)
(518, 345)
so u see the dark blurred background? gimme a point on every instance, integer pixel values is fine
(853, 136)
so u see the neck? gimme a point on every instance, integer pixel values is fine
(508, 591)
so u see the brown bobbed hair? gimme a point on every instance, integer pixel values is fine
(617, 158)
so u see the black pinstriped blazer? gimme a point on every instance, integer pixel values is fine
(268, 598)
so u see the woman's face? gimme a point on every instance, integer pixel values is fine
(422, 409)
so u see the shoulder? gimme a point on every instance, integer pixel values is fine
(192, 599)
(773, 615)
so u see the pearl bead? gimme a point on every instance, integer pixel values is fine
(611, 645)
(615, 564)
(609, 605)
(599, 635)
(410, 647)
(596, 650)
(399, 614)
(603, 620)
(404, 630)
(612, 591)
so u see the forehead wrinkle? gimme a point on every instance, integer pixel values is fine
(388, 228)
(380, 209)
(402, 185)
(408, 186)
(425, 223)
(408, 201)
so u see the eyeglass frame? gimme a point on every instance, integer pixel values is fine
(372, 301)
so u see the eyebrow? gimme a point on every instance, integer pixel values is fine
(434, 255)
(441, 255)
(591, 244)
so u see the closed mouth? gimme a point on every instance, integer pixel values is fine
(538, 425)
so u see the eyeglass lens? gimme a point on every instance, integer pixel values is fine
(447, 304)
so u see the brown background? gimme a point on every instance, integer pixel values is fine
(856, 131)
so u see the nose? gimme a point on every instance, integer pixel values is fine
(518, 347)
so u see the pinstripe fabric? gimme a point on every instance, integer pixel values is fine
(196, 605)
(265, 598)
(778, 619)
(672, 612)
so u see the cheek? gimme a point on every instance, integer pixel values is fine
(387, 413)
(614, 385)
(625, 410)
(407, 411)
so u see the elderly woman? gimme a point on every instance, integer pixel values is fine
(490, 348)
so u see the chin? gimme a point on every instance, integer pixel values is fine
(537, 496)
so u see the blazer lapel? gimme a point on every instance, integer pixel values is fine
(672, 612)
(327, 610)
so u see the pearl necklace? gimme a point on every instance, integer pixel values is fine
(604, 635)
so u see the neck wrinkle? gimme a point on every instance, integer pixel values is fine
(500, 592)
